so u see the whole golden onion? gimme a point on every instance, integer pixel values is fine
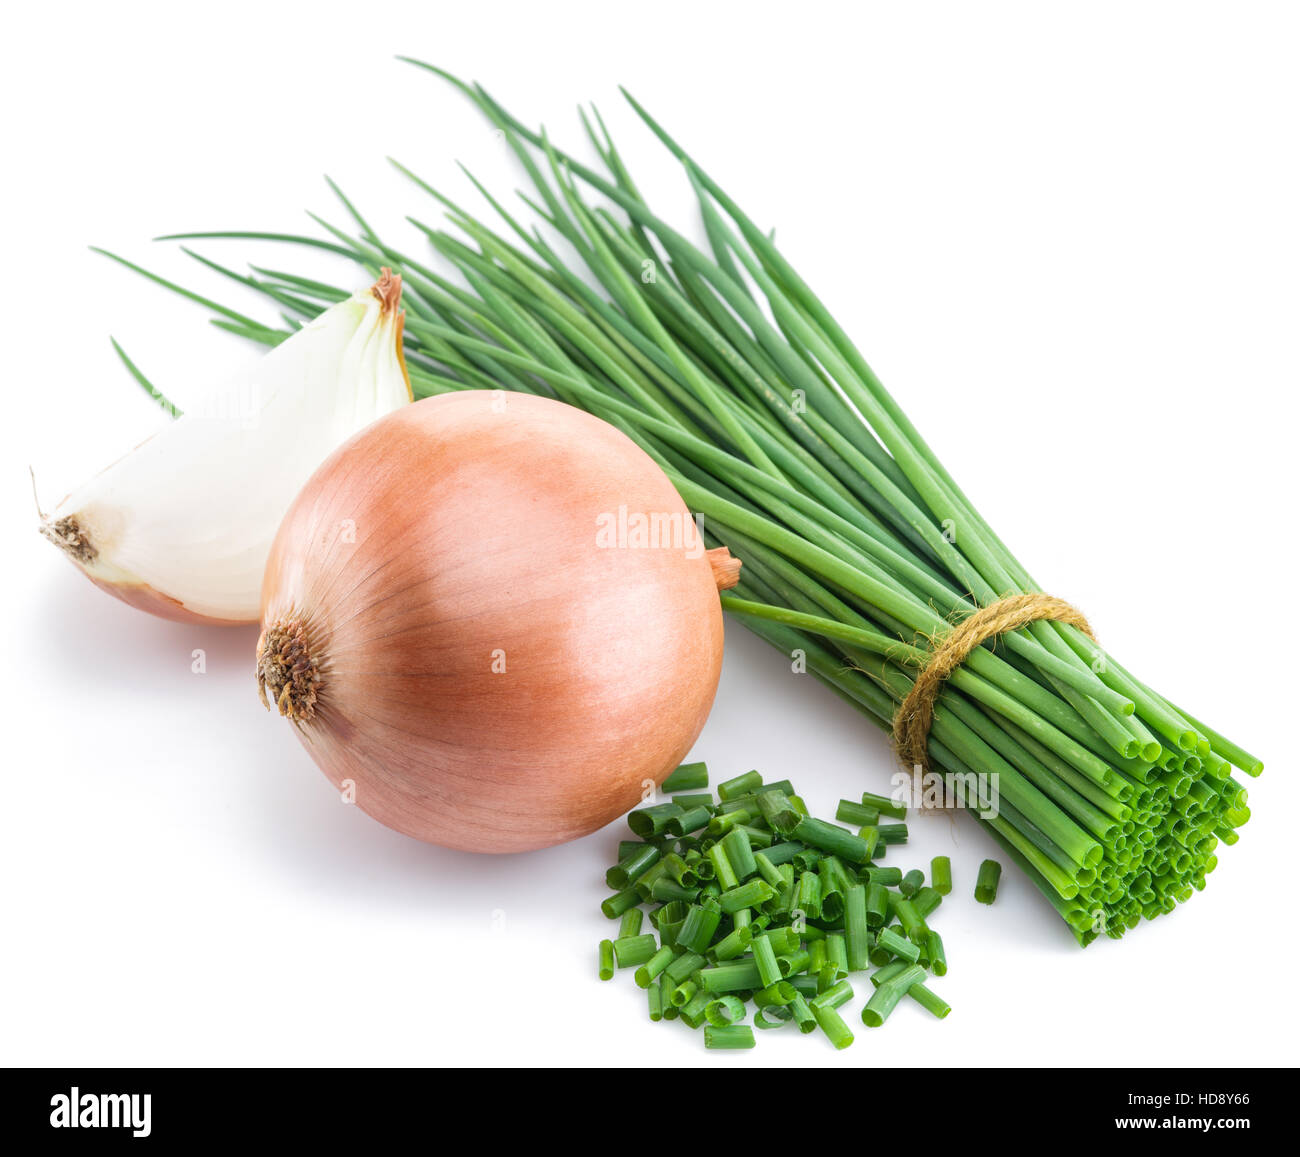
(492, 621)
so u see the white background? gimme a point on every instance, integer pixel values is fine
(1067, 239)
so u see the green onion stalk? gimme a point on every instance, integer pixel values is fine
(859, 547)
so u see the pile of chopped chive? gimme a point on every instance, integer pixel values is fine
(858, 544)
(756, 902)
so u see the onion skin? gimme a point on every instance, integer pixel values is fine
(475, 517)
(144, 598)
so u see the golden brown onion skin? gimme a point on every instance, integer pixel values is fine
(144, 598)
(473, 520)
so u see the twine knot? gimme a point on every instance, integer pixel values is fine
(916, 713)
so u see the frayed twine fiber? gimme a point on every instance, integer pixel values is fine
(916, 712)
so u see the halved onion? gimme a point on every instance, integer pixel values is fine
(182, 525)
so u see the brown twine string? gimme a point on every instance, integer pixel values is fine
(916, 713)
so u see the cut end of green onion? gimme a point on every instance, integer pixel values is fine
(986, 882)
(734, 1036)
(688, 777)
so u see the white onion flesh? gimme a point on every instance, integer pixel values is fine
(182, 526)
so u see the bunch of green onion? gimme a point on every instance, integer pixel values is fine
(755, 900)
(858, 545)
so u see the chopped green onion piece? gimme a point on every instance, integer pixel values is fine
(926, 901)
(816, 955)
(803, 1014)
(837, 955)
(934, 952)
(887, 877)
(631, 923)
(643, 884)
(684, 993)
(781, 992)
(877, 905)
(928, 1000)
(614, 906)
(627, 870)
(693, 1013)
(779, 854)
(986, 882)
(723, 872)
(692, 819)
(665, 1005)
(777, 812)
(739, 853)
(808, 895)
(652, 821)
(806, 859)
(607, 960)
(885, 806)
(731, 1036)
(792, 963)
(665, 889)
(720, 824)
(768, 870)
(735, 976)
(870, 835)
(773, 1016)
(655, 1000)
(912, 882)
(834, 883)
(805, 985)
(769, 972)
(746, 803)
(885, 999)
(890, 941)
(748, 895)
(735, 943)
(784, 939)
(941, 874)
(669, 920)
(857, 814)
(701, 923)
(647, 973)
(857, 938)
(913, 926)
(838, 994)
(829, 838)
(679, 870)
(888, 972)
(686, 964)
(687, 777)
(725, 1010)
(880, 956)
(745, 784)
(832, 1024)
(633, 950)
